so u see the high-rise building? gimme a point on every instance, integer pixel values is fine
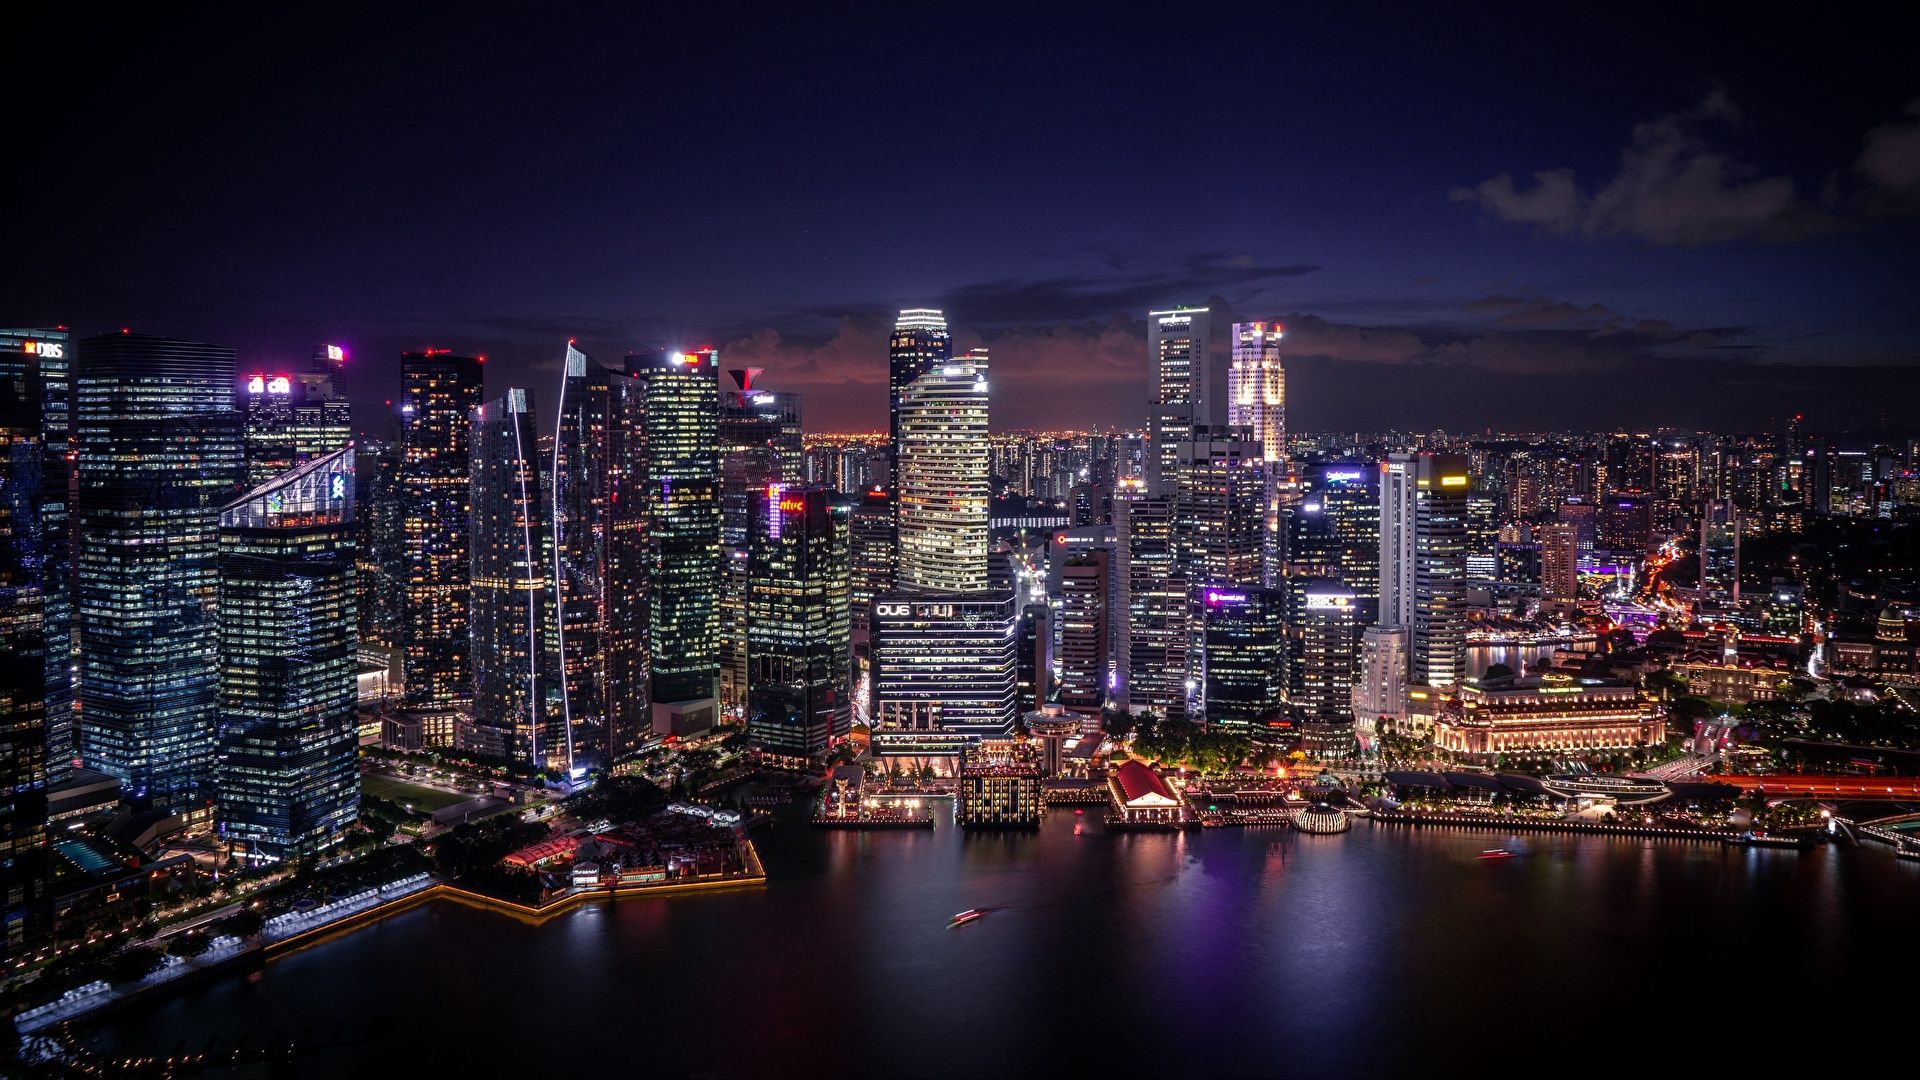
(1085, 634)
(920, 343)
(1626, 523)
(1257, 401)
(1323, 639)
(682, 485)
(160, 453)
(379, 515)
(1180, 378)
(944, 492)
(1154, 663)
(871, 529)
(1720, 555)
(439, 392)
(1380, 682)
(1559, 560)
(627, 606)
(944, 664)
(1033, 666)
(580, 481)
(799, 647)
(516, 696)
(1334, 530)
(288, 778)
(28, 571)
(292, 418)
(1423, 561)
(1221, 490)
(48, 353)
(1243, 652)
(759, 445)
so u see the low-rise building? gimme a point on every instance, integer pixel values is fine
(1139, 796)
(1546, 716)
(999, 794)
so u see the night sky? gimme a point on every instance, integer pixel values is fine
(1465, 217)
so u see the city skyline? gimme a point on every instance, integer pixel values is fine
(1694, 250)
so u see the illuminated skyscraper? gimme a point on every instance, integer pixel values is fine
(32, 563)
(1720, 555)
(48, 354)
(579, 483)
(920, 342)
(759, 445)
(1323, 639)
(944, 670)
(872, 540)
(439, 392)
(1380, 682)
(680, 395)
(516, 697)
(799, 652)
(1334, 530)
(288, 778)
(1423, 561)
(1242, 652)
(1155, 584)
(1559, 560)
(628, 579)
(1257, 401)
(944, 491)
(1221, 489)
(292, 418)
(1179, 380)
(1085, 587)
(160, 453)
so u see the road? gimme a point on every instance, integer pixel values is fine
(1800, 786)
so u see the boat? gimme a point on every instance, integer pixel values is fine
(1496, 853)
(967, 916)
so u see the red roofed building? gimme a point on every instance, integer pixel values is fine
(1139, 795)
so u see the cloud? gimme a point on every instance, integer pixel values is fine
(1674, 186)
(1535, 311)
(1891, 159)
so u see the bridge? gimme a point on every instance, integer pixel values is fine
(1803, 786)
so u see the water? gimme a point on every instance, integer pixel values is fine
(1521, 658)
(1222, 953)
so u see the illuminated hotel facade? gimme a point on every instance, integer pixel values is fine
(1546, 716)
(160, 453)
(288, 778)
(944, 484)
(439, 392)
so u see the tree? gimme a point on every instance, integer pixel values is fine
(133, 964)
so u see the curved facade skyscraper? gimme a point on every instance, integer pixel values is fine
(944, 490)
(920, 340)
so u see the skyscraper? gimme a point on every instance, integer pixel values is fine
(1179, 378)
(159, 447)
(1221, 490)
(292, 418)
(1720, 555)
(871, 528)
(288, 777)
(1380, 682)
(629, 574)
(516, 696)
(1257, 401)
(26, 574)
(439, 392)
(943, 490)
(759, 445)
(680, 392)
(1323, 638)
(1085, 585)
(920, 343)
(799, 651)
(48, 353)
(1155, 584)
(579, 508)
(1423, 568)
(1559, 560)
(1242, 652)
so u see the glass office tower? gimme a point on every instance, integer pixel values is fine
(680, 392)
(160, 453)
(920, 342)
(799, 645)
(288, 778)
(516, 697)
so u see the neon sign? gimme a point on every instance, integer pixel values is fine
(336, 353)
